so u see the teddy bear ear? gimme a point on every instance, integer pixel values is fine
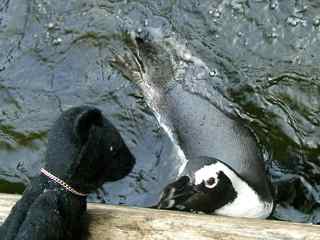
(84, 121)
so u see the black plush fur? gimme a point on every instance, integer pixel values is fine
(85, 150)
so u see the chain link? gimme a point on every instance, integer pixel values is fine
(62, 183)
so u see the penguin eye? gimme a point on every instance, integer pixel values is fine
(210, 182)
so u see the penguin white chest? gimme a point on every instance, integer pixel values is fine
(247, 202)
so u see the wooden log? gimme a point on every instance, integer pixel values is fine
(108, 222)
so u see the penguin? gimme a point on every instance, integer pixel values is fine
(222, 170)
(211, 186)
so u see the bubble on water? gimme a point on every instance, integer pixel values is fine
(42, 9)
(215, 13)
(187, 56)
(274, 5)
(213, 73)
(273, 33)
(294, 21)
(57, 41)
(146, 22)
(139, 30)
(51, 25)
(316, 22)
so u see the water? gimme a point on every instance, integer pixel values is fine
(256, 60)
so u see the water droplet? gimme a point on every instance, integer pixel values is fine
(212, 73)
(292, 21)
(51, 25)
(187, 56)
(316, 22)
(57, 41)
(111, 148)
(139, 30)
(217, 14)
(274, 5)
(273, 33)
(146, 22)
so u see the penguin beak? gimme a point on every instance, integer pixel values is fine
(176, 193)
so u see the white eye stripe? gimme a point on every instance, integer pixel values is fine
(210, 185)
(205, 173)
(211, 171)
(239, 207)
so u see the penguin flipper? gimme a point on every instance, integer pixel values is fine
(176, 193)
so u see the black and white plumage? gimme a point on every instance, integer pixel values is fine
(168, 73)
(212, 187)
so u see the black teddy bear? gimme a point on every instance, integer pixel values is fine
(84, 151)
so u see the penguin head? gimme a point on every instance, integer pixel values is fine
(210, 186)
(86, 150)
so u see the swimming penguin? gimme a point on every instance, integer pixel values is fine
(230, 180)
(211, 186)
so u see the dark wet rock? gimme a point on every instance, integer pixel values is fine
(56, 54)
